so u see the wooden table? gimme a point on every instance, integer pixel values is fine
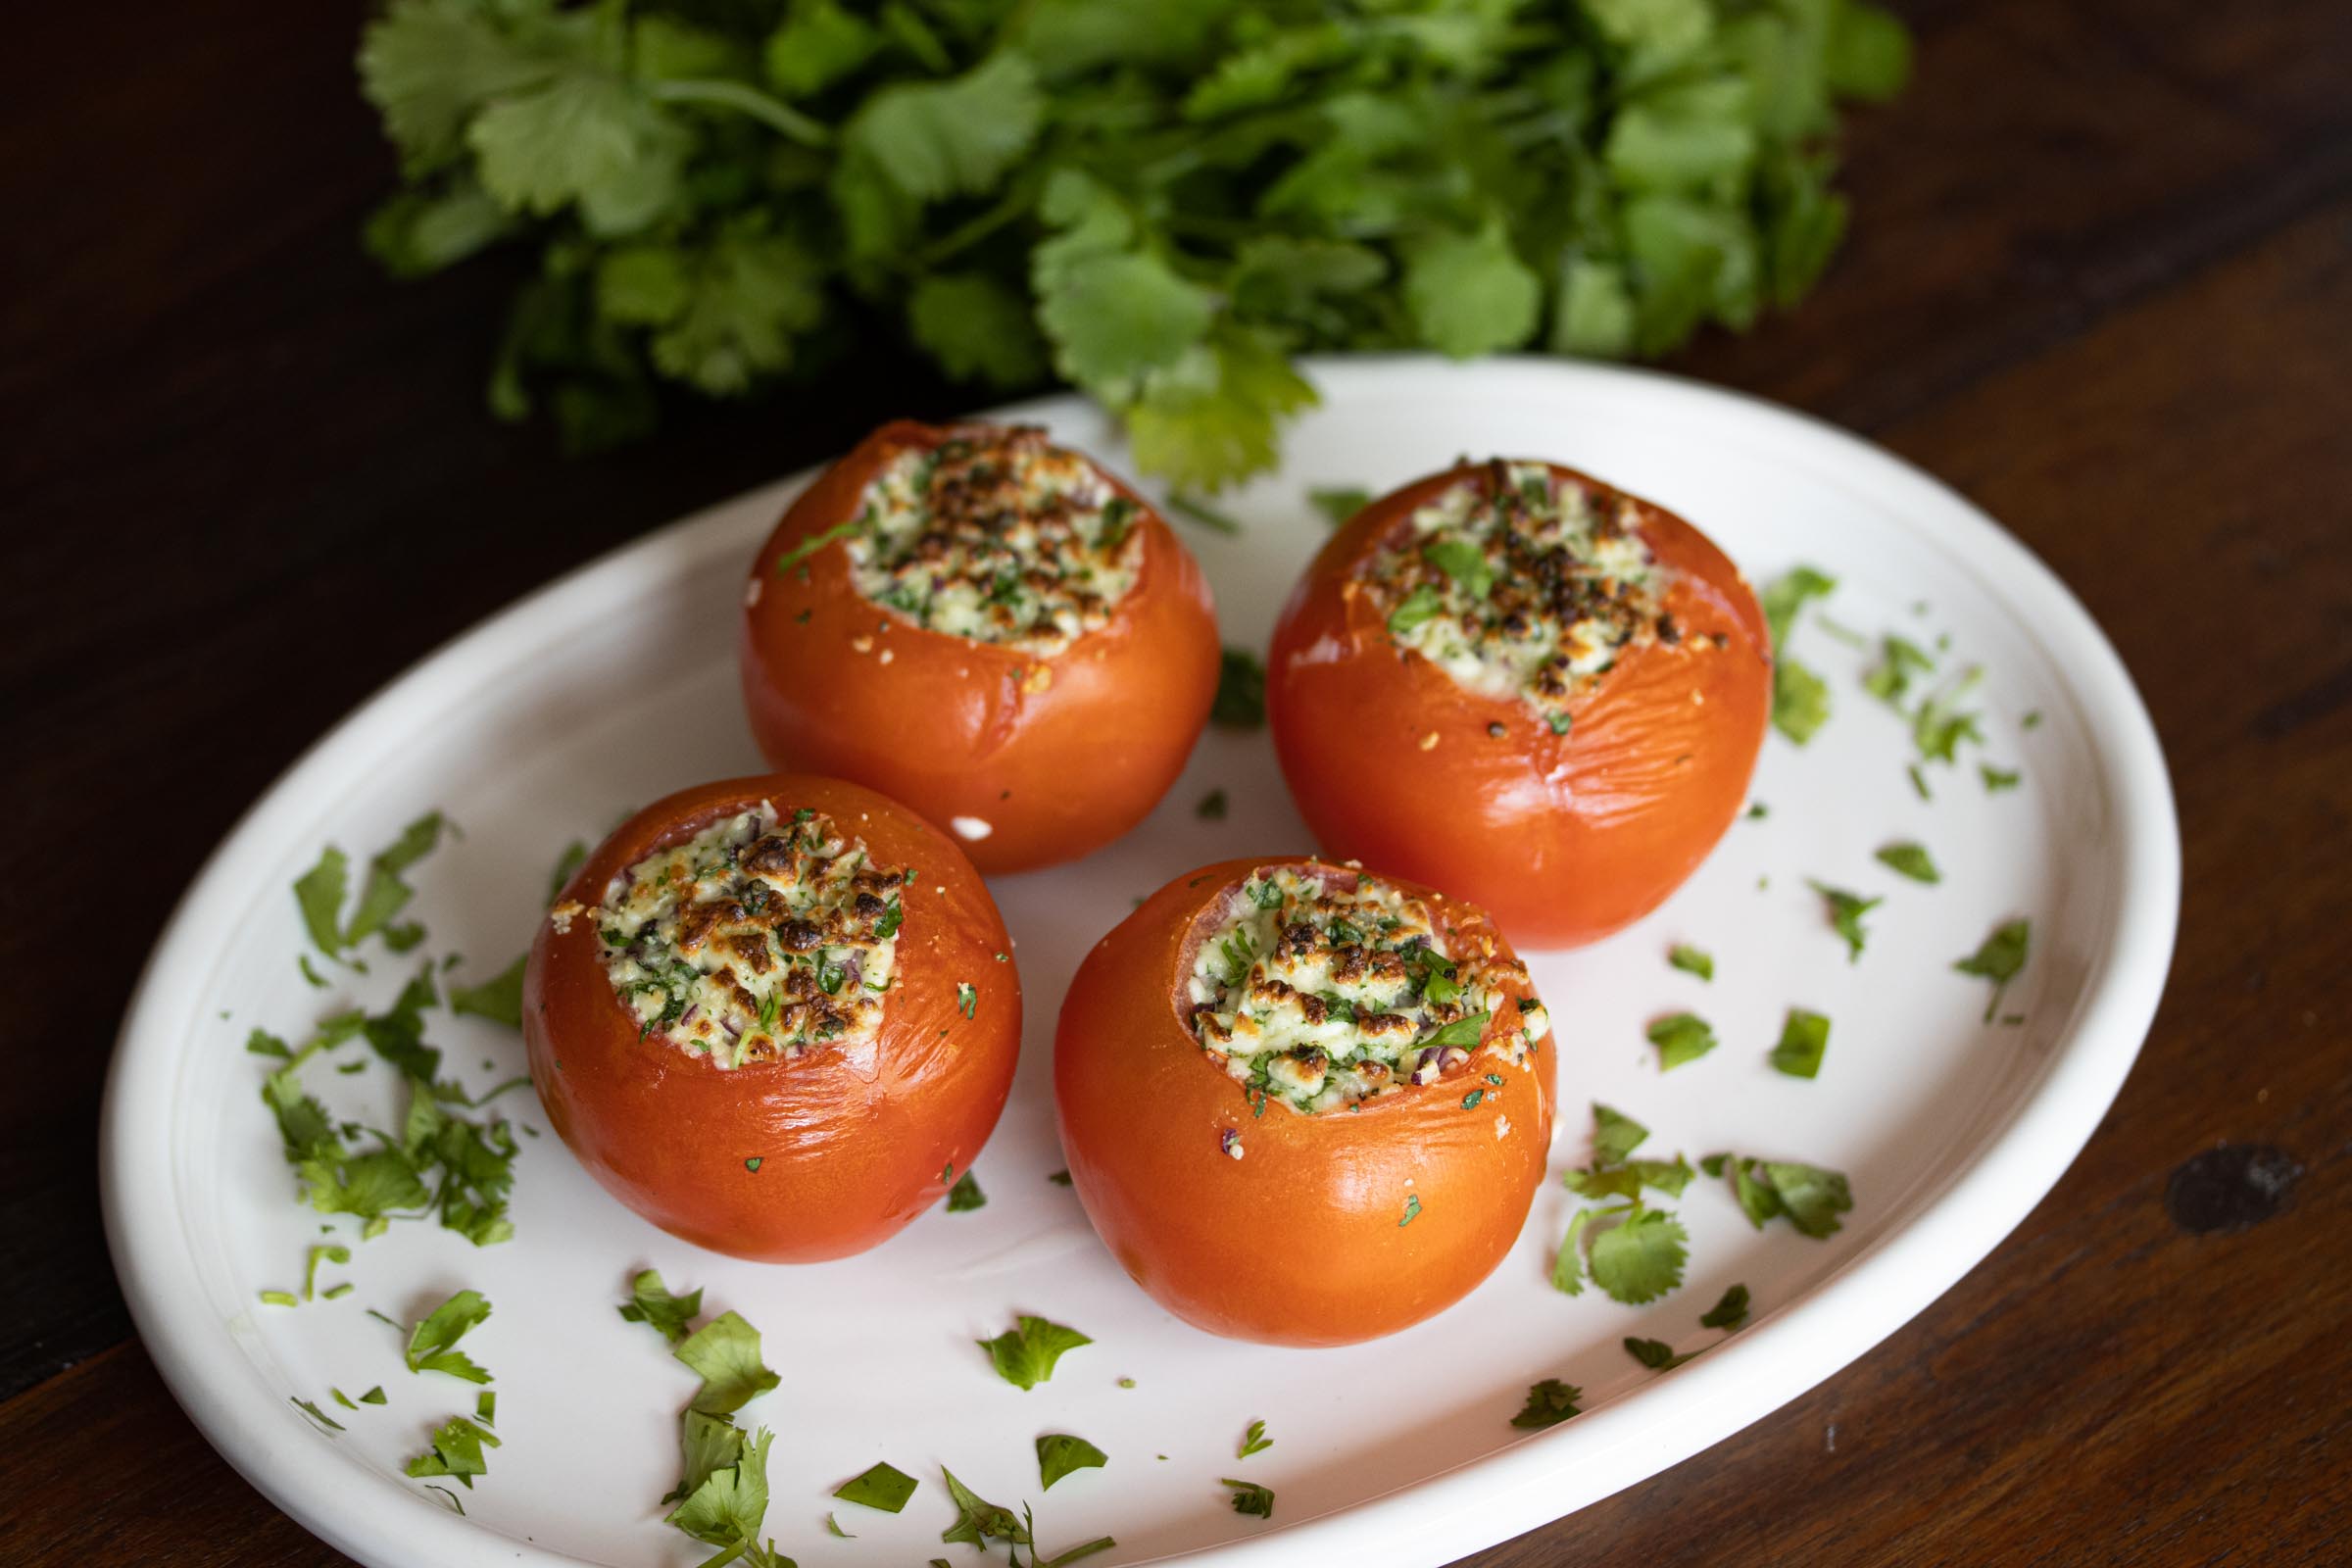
(2100, 279)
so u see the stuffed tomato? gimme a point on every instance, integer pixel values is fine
(1533, 691)
(987, 627)
(1302, 1104)
(775, 1017)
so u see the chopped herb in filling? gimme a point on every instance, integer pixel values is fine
(1520, 583)
(760, 937)
(1323, 990)
(997, 537)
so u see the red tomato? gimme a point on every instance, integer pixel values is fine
(1329, 1228)
(1565, 838)
(793, 1159)
(1029, 761)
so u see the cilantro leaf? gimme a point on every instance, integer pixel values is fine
(884, 1486)
(978, 328)
(1464, 562)
(1812, 1198)
(1997, 779)
(729, 1504)
(1804, 1036)
(432, 1343)
(1680, 1037)
(1248, 1498)
(1338, 503)
(1241, 701)
(650, 1302)
(1788, 593)
(498, 998)
(1059, 1454)
(1998, 959)
(1615, 1135)
(319, 894)
(1655, 1354)
(456, 1452)
(1911, 861)
(726, 1353)
(1690, 961)
(1025, 1354)
(1470, 293)
(385, 894)
(977, 1520)
(1800, 700)
(966, 1195)
(1255, 1441)
(1899, 660)
(1728, 1313)
(1568, 1262)
(1419, 605)
(935, 140)
(1641, 1257)
(1548, 1404)
(1845, 910)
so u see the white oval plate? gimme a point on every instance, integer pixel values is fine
(617, 684)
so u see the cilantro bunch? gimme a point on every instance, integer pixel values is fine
(1162, 203)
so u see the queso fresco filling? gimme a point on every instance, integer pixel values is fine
(1321, 989)
(998, 536)
(763, 936)
(1520, 584)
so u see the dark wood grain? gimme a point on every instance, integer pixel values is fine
(2101, 279)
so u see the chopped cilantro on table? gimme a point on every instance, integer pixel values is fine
(309, 1407)
(1997, 779)
(977, 1520)
(1690, 961)
(1680, 1037)
(1845, 910)
(1026, 1353)
(1804, 1038)
(1899, 660)
(884, 1486)
(966, 1195)
(1911, 861)
(833, 1527)
(1248, 1498)
(1615, 1135)
(1998, 959)
(1212, 807)
(1940, 726)
(1163, 205)
(1548, 1404)
(1568, 1262)
(1060, 1452)
(324, 1252)
(319, 893)
(1255, 1441)
(1728, 1313)
(1241, 700)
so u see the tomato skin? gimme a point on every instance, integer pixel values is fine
(1565, 839)
(962, 729)
(1304, 1238)
(851, 1143)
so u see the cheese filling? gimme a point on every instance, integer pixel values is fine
(1323, 990)
(997, 536)
(1520, 584)
(762, 937)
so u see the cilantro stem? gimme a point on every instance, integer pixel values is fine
(1185, 505)
(777, 117)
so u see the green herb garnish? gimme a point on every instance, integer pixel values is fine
(650, 1302)
(498, 998)
(1641, 1257)
(1846, 910)
(1999, 959)
(884, 1486)
(1241, 700)
(1212, 807)
(966, 1195)
(432, 1343)
(1548, 1404)
(1728, 1313)
(1690, 961)
(1338, 503)
(1804, 1036)
(1025, 1354)
(1255, 1441)
(1248, 1498)
(1680, 1037)
(1059, 1454)
(456, 1452)
(1911, 861)
(1655, 1354)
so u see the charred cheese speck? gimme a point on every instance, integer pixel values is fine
(1519, 584)
(1322, 991)
(763, 936)
(998, 536)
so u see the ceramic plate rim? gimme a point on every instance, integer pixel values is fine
(1881, 1285)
